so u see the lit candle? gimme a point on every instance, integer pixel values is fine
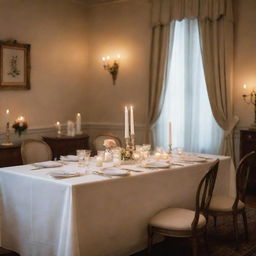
(20, 120)
(70, 128)
(7, 116)
(103, 59)
(157, 155)
(126, 123)
(58, 128)
(78, 124)
(132, 122)
(244, 86)
(170, 133)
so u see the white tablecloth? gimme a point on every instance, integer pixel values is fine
(93, 215)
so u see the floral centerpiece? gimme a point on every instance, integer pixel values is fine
(109, 144)
(126, 154)
(20, 125)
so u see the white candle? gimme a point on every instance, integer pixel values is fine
(132, 121)
(7, 116)
(170, 133)
(70, 128)
(126, 123)
(78, 124)
(99, 161)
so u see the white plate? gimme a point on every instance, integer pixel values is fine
(69, 158)
(63, 174)
(115, 172)
(157, 165)
(48, 164)
(194, 159)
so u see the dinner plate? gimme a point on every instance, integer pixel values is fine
(115, 172)
(69, 158)
(48, 164)
(157, 165)
(194, 159)
(63, 174)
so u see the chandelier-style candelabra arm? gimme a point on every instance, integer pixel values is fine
(251, 99)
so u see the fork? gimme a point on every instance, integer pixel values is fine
(102, 174)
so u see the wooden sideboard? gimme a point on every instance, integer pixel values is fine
(65, 145)
(10, 155)
(248, 144)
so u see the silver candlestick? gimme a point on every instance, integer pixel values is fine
(7, 141)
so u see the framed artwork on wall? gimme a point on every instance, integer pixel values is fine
(14, 65)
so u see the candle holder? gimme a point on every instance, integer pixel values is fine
(127, 153)
(251, 99)
(170, 148)
(7, 141)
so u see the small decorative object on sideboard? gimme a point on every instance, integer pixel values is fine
(78, 124)
(20, 125)
(251, 99)
(113, 67)
(71, 131)
(7, 141)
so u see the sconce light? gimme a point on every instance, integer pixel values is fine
(113, 67)
(251, 99)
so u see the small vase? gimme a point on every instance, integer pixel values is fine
(108, 155)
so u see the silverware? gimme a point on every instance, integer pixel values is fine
(102, 174)
(130, 170)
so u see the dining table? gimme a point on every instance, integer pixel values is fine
(93, 213)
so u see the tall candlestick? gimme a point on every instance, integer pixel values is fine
(126, 123)
(170, 133)
(132, 121)
(78, 124)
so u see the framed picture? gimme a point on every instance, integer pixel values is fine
(14, 65)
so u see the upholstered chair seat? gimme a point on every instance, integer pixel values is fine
(176, 219)
(224, 204)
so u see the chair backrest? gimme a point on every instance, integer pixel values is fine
(204, 192)
(33, 151)
(242, 174)
(99, 140)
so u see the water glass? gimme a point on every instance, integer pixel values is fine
(80, 155)
(116, 157)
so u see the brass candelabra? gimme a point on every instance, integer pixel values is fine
(251, 99)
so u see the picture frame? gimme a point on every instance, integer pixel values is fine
(14, 65)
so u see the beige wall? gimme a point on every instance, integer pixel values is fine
(57, 32)
(245, 58)
(123, 28)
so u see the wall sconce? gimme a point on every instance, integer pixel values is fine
(113, 67)
(251, 99)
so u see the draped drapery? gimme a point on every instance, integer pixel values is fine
(216, 33)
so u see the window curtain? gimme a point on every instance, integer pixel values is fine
(162, 37)
(216, 33)
(186, 102)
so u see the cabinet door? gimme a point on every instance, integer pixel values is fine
(10, 157)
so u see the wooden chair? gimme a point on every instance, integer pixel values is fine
(226, 205)
(5, 252)
(33, 151)
(99, 140)
(178, 222)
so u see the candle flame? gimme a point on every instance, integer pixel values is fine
(244, 86)
(58, 123)
(118, 56)
(7, 111)
(103, 59)
(78, 114)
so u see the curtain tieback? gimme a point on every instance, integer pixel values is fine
(231, 126)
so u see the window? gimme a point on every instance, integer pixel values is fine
(186, 102)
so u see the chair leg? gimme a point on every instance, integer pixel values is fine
(206, 242)
(235, 224)
(150, 239)
(215, 221)
(194, 241)
(245, 225)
